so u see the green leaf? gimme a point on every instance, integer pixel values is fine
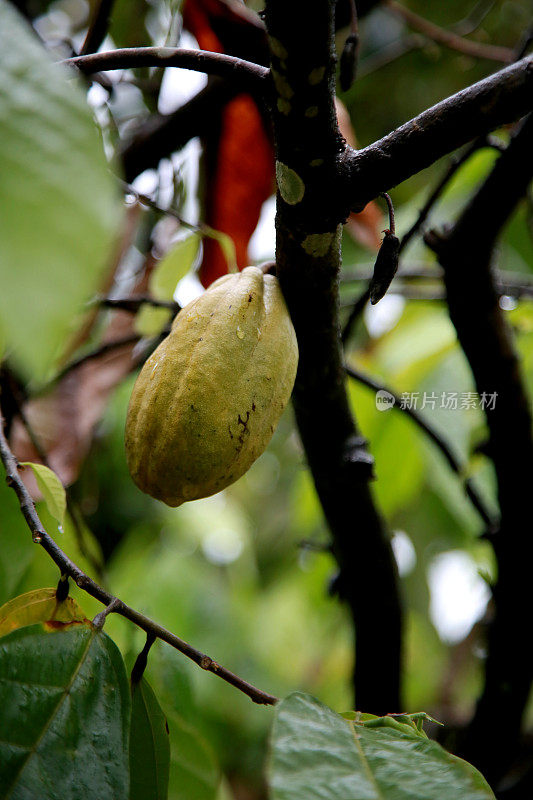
(226, 244)
(174, 266)
(65, 705)
(61, 211)
(149, 746)
(193, 772)
(39, 605)
(51, 488)
(318, 755)
(150, 320)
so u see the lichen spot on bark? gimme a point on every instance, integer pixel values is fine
(282, 85)
(316, 75)
(291, 186)
(277, 48)
(318, 244)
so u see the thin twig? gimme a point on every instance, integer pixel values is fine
(389, 53)
(474, 18)
(86, 583)
(134, 303)
(197, 60)
(450, 39)
(72, 508)
(436, 438)
(390, 206)
(513, 284)
(101, 350)
(144, 200)
(98, 25)
(456, 162)
(357, 309)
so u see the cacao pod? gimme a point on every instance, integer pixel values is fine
(208, 399)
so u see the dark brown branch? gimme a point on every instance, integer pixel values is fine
(449, 38)
(499, 99)
(512, 284)
(237, 69)
(307, 143)
(161, 135)
(459, 469)
(68, 567)
(465, 253)
(98, 25)
(101, 350)
(134, 303)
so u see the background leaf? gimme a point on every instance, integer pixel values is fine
(63, 693)
(193, 772)
(174, 266)
(60, 210)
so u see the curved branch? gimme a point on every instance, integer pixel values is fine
(197, 60)
(163, 134)
(501, 98)
(449, 38)
(98, 351)
(436, 438)
(68, 567)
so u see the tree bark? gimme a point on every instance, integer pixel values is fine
(465, 252)
(308, 144)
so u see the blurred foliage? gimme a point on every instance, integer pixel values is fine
(245, 576)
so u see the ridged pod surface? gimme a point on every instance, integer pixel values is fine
(207, 401)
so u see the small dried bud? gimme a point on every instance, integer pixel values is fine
(348, 63)
(385, 267)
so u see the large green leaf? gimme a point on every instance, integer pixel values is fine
(60, 209)
(149, 746)
(318, 755)
(193, 772)
(65, 705)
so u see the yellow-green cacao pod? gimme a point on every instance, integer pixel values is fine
(207, 401)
